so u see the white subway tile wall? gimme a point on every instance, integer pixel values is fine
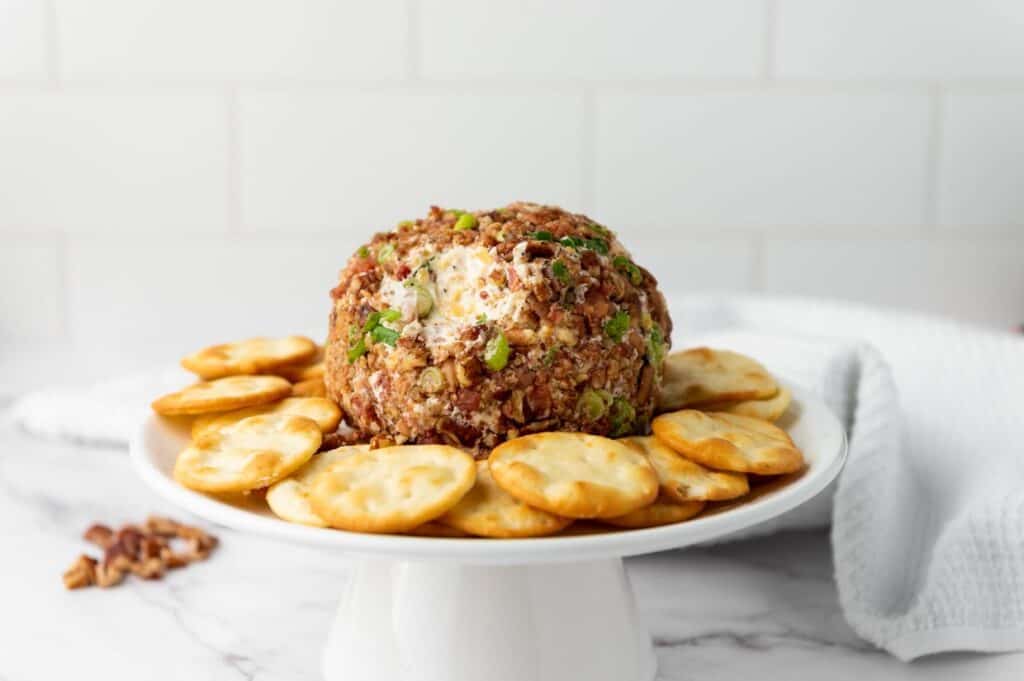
(930, 39)
(31, 291)
(219, 40)
(761, 160)
(591, 40)
(86, 162)
(361, 162)
(981, 167)
(178, 171)
(967, 278)
(22, 41)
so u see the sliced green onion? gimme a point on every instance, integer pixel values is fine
(390, 315)
(616, 327)
(599, 229)
(481, 318)
(465, 221)
(363, 252)
(431, 380)
(656, 346)
(496, 352)
(356, 344)
(372, 320)
(550, 355)
(405, 224)
(622, 415)
(592, 405)
(424, 301)
(561, 272)
(572, 242)
(599, 245)
(386, 252)
(382, 334)
(542, 235)
(626, 266)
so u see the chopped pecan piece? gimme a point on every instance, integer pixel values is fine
(100, 535)
(82, 573)
(144, 551)
(108, 576)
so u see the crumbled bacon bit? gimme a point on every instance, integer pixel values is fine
(145, 552)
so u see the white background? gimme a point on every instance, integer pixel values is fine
(174, 172)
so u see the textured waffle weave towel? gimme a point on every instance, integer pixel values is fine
(928, 516)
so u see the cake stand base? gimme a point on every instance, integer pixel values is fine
(404, 621)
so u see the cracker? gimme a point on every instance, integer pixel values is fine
(394, 489)
(683, 480)
(253, 453)
(325, 412)
(574, 475)
(289, 498)
(298, 374)
(223, 394)
(489, 511)
(312, 388)
(703, 376)
(251, 356)
(661, 512)
(729, 442)
(769, 409)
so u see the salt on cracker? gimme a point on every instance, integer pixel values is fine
(223, 394)
(729, 442)
(489, 511)
(394, 489)
(574, 475)
(661, 512)
(704, 376)
(683, 480)
(255, 452)
(326, 414)
(769, 409)
(289, 498)
(251, 356)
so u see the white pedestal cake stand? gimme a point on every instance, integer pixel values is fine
(546, 609)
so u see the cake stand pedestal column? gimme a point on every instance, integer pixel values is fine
(439, 621)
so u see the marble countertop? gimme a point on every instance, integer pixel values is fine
(757, 609)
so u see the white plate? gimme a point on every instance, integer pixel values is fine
(810, 423)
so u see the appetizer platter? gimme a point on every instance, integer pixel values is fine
(495, 419)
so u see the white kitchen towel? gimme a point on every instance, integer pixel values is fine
(928, 517)
(104, 414)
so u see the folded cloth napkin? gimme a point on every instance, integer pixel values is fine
(928, 516)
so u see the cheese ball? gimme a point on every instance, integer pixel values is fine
(473, 328)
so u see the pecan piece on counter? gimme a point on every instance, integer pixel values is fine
(144, 551)
(81, 574)
(100, 535)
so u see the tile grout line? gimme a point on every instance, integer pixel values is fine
(51, 43)
(936, 114)
(768, 40)
(588, 142)
(412, 40)
(233, 163)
